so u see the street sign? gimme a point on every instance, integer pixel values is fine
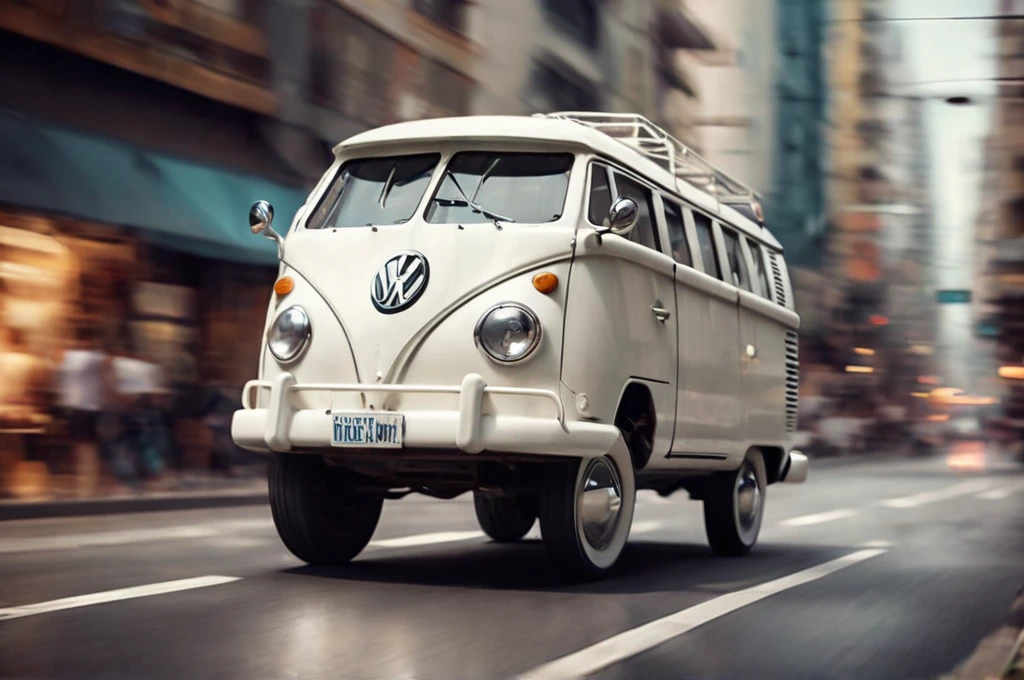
(953, 297)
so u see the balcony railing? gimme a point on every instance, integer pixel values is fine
(214, 47)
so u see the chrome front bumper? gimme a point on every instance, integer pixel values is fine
(282, 427)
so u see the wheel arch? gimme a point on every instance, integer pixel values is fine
(636, 404)
(774, 459)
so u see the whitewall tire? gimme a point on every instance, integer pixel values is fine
(586, 512)
(734, 507)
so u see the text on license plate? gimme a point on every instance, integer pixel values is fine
(382, 430)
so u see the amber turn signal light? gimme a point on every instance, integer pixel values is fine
(284, 285)
(545, 282)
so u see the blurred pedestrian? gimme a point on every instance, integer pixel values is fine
(184, 401)
(81, 390)
(143, 442)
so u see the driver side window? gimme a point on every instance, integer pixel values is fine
(603, 194)
(644, 232)
(600, 195)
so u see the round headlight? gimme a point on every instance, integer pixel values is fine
(508, 333)
(289, 334)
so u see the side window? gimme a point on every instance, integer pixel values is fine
(644, 232)
(677, 233)
(600, 194)
(738, 265)
(707, 244)
(762, 271)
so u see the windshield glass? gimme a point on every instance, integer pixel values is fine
(483, 186)
(375, 191)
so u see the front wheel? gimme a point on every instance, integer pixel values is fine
(585, 515)
(318, 516)
(734, 507)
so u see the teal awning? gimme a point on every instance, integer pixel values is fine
(174, 203)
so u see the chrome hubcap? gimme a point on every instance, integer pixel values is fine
(748, 497)
(599, 503)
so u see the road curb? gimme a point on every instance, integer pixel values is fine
(997, 656)
(15, 510)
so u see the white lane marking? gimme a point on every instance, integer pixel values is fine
(877, 544)
(961, 489)
(1000, 493)
(114, 596)
(645, 526)
(14, 545)
(426, 539)
(819, 518)
(601, 655)
(242, 524)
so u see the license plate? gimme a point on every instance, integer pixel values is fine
(377, 430)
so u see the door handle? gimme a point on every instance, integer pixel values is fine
(660, 313)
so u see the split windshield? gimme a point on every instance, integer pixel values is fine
(488, 186)
(375, 191)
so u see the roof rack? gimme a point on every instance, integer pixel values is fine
(643, 136)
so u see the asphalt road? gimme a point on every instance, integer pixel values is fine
(870, 570)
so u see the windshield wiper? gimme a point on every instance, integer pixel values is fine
(476, 207)
(386, 191)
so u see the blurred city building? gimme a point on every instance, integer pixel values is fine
(999, 266)
(134, 136)
(870, 308)
(732, 111)
(797, 195)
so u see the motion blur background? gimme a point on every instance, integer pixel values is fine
(887, 137)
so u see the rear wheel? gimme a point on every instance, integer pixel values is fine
(586, 512)
(504, 519)
(320, 519)
(734, 507)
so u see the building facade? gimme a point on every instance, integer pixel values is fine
(999, 280)
(734, 108)
(797, 198)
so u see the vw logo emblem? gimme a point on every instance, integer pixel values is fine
(400, 282)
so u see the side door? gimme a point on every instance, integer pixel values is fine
(708, 420)
(620, 322)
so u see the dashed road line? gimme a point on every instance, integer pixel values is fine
(925, 497)
(104, 538)
(1000, 493)
(426, 539)
(114, 596)
(601, 655)
(819, 518)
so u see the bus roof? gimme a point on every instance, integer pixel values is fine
(558, 131)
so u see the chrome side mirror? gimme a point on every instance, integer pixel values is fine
(261, 217)
(622, 217)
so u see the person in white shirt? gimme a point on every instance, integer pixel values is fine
(82, 386)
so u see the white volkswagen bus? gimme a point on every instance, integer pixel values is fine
(551, 312)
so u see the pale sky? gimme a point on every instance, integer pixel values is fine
(962, 51)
